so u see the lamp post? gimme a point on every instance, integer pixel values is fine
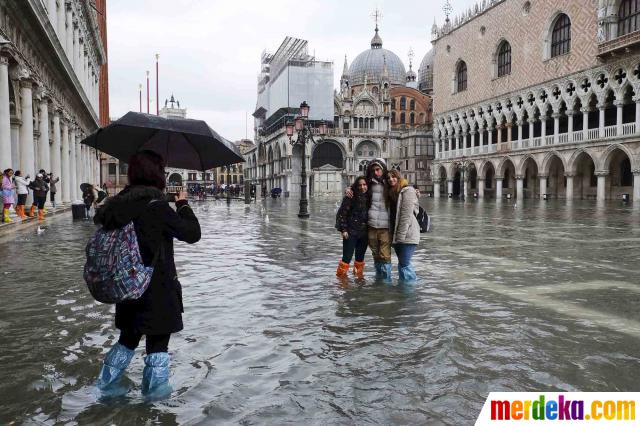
(304, 134)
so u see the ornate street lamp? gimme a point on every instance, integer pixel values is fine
(304, 134)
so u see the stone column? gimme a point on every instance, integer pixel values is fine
(480, 188)
(602, 179)
(520, 187)
(473, 138)
(465, 185)
(51, 10)
(509, 132)
(543, 185)
(519, 122)
(569, 189)
(62, 16)
(449, 187)
(499, 141)
(637, 99)
(636, 186)
(570, 125)
(5, 116)
(73, 164)
(556, 127)
(619, 104)
(76, 46)
(601, 121)
(585, 123)
(481, 137)
(543, 129)
(27, 151)
(44, 161)
(489, 135)
(15, 142)
(69, 33)
(56, 167)
(498, 188)
(65, 179)
(464, 141)
(531, 124)
(436, 188)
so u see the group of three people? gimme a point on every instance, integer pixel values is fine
(15, 182)
(379, 211)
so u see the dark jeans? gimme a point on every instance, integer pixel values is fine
(156, 343)
(22, 199)
(39, 201)
(404, 253)
(357, 244)
(53, 197)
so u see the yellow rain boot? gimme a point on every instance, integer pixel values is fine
(358, 269)
(32, 211)
(41, 214)
(5, 216)
(343, 269)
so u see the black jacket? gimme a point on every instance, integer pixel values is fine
(159, 310)
(353, 215)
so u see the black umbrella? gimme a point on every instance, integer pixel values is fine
(183, 143)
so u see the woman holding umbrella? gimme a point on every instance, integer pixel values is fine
(158, 312)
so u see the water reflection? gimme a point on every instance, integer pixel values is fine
(510, 296)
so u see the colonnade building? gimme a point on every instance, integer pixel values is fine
(539, 97)
(378, 112)
(53, 88)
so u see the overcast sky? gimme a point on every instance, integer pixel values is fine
(210, 49)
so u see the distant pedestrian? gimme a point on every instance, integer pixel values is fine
(405, 229)
(89, 197)
(158, 312)
(22, 189)
(351, 222)
(7, 194)
(40, 189)
(53, 189)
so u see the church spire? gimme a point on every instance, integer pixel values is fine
(345, 68)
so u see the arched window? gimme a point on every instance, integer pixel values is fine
(393, 117)
(461, 76)
(403, 103)
(393, 103)
(402, 118)
(628, 16)
(504, 59)
(561, 36)
(412, 104)
(412, 119)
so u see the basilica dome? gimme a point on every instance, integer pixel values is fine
(425, 73)
(370, 63)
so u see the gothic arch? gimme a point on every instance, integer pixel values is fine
(605, 157)
(549, 26)
(548, 158)
(484, 168)
(571, 164)
(328, 152)
(523, 162)
(500, 169)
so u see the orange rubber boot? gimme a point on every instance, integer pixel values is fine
(32, 211)
(358, 269)
(343, 269)
(41, 214)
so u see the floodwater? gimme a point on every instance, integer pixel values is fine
(539, 296)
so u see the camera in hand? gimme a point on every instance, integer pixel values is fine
(170, 197)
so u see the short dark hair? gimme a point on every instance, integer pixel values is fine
(146, 168)
(17, 173)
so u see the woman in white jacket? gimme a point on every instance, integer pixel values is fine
(405, 230)
(22, 189)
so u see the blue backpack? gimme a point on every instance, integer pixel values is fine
(114, 270)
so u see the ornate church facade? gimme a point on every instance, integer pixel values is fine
(378, 113)
(53, 88)
(543, 104)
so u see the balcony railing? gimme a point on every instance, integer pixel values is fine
(619, 43)
(628, 129)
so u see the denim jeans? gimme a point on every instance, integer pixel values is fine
(351, 244)
(404, 253)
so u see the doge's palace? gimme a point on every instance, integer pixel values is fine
(51, 58)
(539, 99)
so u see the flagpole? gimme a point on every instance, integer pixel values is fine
(147, 92)
(157, 85)
(140, 93)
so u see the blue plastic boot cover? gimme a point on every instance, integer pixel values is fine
(406, 273)
(386, 271)
(155, 376)
(116, 361)
(378, 267)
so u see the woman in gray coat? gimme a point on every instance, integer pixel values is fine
(404, 227)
